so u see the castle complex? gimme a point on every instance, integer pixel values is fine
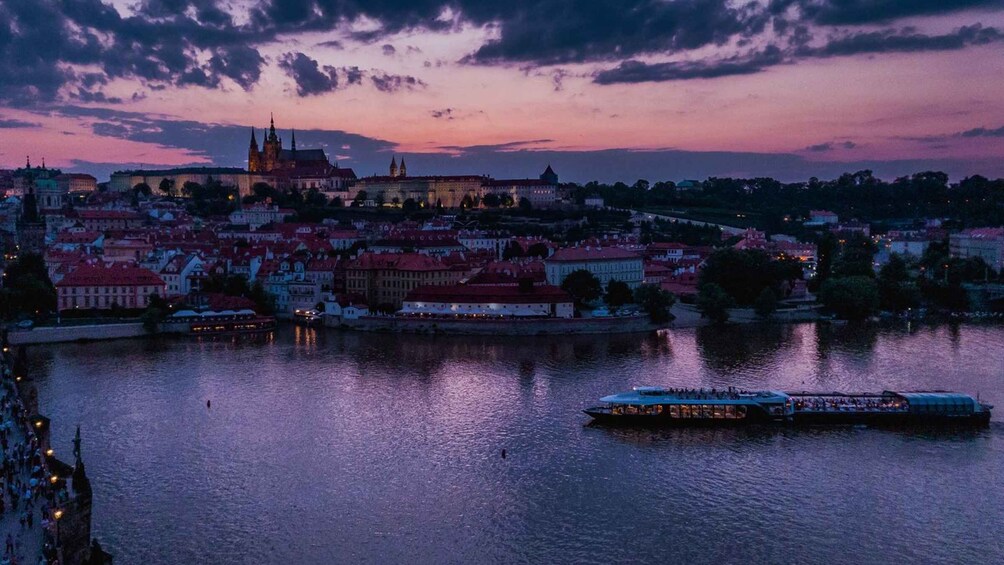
(309, 169)
(272, 158)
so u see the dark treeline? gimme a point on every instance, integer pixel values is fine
(974, 201)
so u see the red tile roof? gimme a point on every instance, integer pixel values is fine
(592, 254)
(397, 261)
(97, 275)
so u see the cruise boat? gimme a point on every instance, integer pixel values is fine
(693, 407)
(645, 405)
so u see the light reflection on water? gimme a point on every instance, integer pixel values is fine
(326, 447)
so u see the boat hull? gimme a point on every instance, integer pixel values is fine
(979, 420)
(604, 416)
(880, 419)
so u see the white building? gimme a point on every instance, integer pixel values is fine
(177, 271)
(257, 215)
(605, 263)
(463, 301)
(985, 243)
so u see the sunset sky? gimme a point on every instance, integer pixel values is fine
(606, 90)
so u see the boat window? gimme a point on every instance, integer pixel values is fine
(730, 412)
(719, 411)
(684, 410)
(674, 411)
(740, 412)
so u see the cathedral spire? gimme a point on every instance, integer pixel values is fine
(393, 166)
(254, 142)
(293, 140)
(403, 170)
(43, 163)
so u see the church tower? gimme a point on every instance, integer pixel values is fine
(403, 171)
(254, 156)
(30, 225)
(393, 166)
(271, 148)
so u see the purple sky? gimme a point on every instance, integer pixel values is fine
(606, 90)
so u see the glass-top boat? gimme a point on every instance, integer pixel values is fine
(649, 405)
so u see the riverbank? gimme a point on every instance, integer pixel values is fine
(45, 504)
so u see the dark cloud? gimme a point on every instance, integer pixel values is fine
(830, 146)
(904, 40)
(310, 78)
(334, 44)
(240, 63)
(353, 75)
(445, 113)
(983, 132)
(11, 123)
(561, 31)
(46, 44)
(636, 71)
(393, 83)
(856, 43)
(856, 12)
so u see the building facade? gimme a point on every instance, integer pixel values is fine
(463, 301)
(605, 263)
(386, 278)
(102, 287)
(985, 243)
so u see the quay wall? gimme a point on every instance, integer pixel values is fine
(550, 326)
(58, 334)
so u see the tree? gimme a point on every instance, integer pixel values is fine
(360, 199)
(525, 205)
(166, 186)
(765, 304)
(262, 191)
(744, 274)
(714, 303)
(491, 200)
(855, 258)
(618, 294)
(826, 249)
(142, 188)
(154, 314)
(538, 249)
(409, 205)
(467, 201)
(583, 286)
(655, 302)
(850, 298)
(28, 289)
(897, 292)
(513, 250)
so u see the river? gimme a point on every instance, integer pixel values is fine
(330, 447)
